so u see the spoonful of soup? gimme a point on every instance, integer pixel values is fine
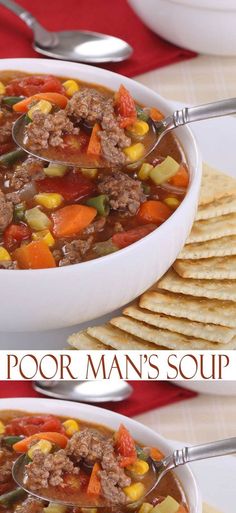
(91, 470)
(94, 129)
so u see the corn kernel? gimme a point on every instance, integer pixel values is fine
(49, 200)
(71, 427)
(140, 467)
(145, 508)
(139, 128)
(135, 491)
(172, 202)
(71, 87)
(43, 106)
(4, 255)
(2, 88)
(134, 152)
(43, 445)
(2, 428)
(55, 170)
(89, 172)
(46, 236)
(144, 171)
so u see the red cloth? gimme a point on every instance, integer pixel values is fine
(147, 395)
(115, 18)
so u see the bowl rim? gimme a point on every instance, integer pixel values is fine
(30, 405)
(213, 5)
(55, 70)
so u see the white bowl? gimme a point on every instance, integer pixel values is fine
(101, 416)
(56, 298)
(204, 26)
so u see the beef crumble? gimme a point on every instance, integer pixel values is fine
(31, 168)
(124, 192)
(30, 505)
(72, 252)
(48, 129)
(6, 212)
(48, 470)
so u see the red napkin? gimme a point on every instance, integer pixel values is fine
(115, 18)
(146, 396)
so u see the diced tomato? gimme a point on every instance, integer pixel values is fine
(125, 107)
(27, 86)
(76, 143)
(28, 426)
(125, 446)
(72, 186)
(123, 239)
(15, 234)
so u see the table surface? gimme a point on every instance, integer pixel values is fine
(194, 81)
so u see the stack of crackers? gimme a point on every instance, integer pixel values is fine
(194, 305)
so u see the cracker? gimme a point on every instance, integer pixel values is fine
(82, 340)
(165, 338)
(209, 332)
(217, 208)
(118, 339)
(214, 228)
(225, 246)
(215, 185)
(218, 268)
(212, 289)
(210, 311)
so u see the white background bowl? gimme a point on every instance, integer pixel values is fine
(101, 416)
(205, 26)
(56, 298)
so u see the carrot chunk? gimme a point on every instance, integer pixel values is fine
(94, 486)
(71, 219)
(35, 255)
(156, 454)
(155, 114)
(94, 146)
(57, 438)
(57, 98)
(180, 179)
(153, 211)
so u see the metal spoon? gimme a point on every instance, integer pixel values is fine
(159, 130)
(159, 468)
(85, 391)
(73, 45)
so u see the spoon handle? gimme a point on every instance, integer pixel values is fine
(200, 452)
(207, 111)
(43, 37)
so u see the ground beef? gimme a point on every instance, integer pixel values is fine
(14, 197)
(6, 462)
(48, 129)
(110, 490)
(95, 227)
(6, 212)
(111, 144)
(124, 193)
(72, 252)
(8, 264)
(87, 104)
(30, 505)
(5, 131)
(49, 469)
(31, 168)
(87, 444)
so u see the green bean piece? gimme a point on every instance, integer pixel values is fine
(141, 113)
(104, 248)
(11, 440)
(12, 100)
(9, 158)
(146, 188)
(100, 203)
(19, 211)
(141, 453)
(15, 495)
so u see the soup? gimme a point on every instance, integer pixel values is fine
(75, 460)
(55, 215)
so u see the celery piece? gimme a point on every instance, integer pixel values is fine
(37, 220)
(104, 248)
(141, 114)
(145, 508)
(53, 507)
(164, 171)
(55, 170)
(100, 203)
(169, 505)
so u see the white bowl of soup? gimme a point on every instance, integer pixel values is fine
(65, 295)
(181, 485)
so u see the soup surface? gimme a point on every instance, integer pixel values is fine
(74, 460)
(55, 215)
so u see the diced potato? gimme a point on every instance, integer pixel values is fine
(139, 128)
(49, 200)
(53, 507)
(55, 170)
(43, 106)
(46, 236)
(172, 202)
(145, 508)
(164, 171)
(2, 428)
(43, 446)
(140, 467)
(4, 255)
(37, 220)
(71, 426)
(144, 171)
(169, 505)
(135, 491)
(89, 172)
(2, 88)
(134, 152)
(71, 87)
